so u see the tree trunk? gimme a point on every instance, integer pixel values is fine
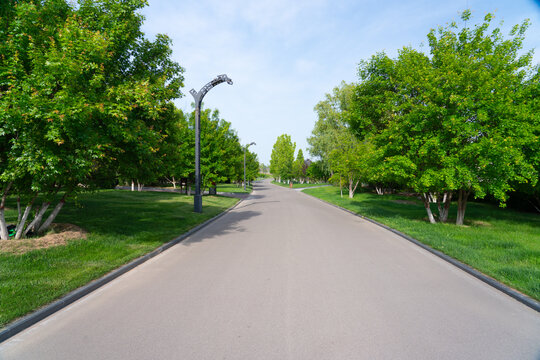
(52, 216)
(37, 220)
(132, 185)
(3, 226)
(443, 204)
(431, 218)
(20, 224)
(19, 213)
(352, 189)
(378, 190)
(174, 183)
(340, 186)
(462, 206)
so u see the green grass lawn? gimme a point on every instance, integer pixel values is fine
(121, 225)
(297, 185)
(501, 243)
(233, 188)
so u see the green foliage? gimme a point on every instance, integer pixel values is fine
(298, 166)
(333, 114)
(458, 120)
(121, 227)
(221, 152)
(317, 172)
(82, 90)
(282, 159)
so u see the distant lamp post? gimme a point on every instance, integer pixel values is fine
(245, 148)
(198, 96)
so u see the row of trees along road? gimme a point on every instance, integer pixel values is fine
(86, 100)
(285, 167)
(462, 120)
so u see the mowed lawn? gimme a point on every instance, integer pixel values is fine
(502, 243)
(121, 226)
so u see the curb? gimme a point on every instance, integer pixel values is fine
(522, 298)
(33, 318)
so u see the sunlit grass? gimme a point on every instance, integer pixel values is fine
(122, 226)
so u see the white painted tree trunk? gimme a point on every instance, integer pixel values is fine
(52, 216)
(379, 190)
(20, 225)
(37, 220)
(352, 188)
(431, 218)
(3, 225)
(443, 204)
(132, 185)
(174, 183)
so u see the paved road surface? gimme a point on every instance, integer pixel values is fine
(284, 276)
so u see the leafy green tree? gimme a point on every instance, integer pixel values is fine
(454, 121)
(298, 167)
(75, 97)
(282, 158)
(333, 114)
(221, 152)
(316, 172)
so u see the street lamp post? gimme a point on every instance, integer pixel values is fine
(198, 96)
(245, 148)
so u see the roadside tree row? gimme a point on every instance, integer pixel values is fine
(458, 122)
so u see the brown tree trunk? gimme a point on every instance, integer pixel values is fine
(431, 218)
(462, 206)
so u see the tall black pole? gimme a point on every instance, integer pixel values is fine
(197, 201)
(245, 148)
(198, 96)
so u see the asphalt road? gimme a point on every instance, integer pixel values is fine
(285, 276)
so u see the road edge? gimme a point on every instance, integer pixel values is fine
(31, 319)
(522, 298)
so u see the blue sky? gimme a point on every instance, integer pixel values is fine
(285, 55)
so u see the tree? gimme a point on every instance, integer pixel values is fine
(298, 167)
(282, 158)
(221, 152)
(349, 162)
(452, 122)
(74, 98)
(333, 114)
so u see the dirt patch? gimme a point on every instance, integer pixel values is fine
(59, 235)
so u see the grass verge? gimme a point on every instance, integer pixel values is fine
(297, 185)
(232, 188)
(121, 225)
(501, 243)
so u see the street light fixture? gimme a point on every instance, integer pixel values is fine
(245, 148)
(198, 96)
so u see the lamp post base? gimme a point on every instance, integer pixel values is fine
(197, 203)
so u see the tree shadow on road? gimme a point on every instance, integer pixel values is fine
(230, 223)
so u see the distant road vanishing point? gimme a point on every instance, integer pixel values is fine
(285, 276)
